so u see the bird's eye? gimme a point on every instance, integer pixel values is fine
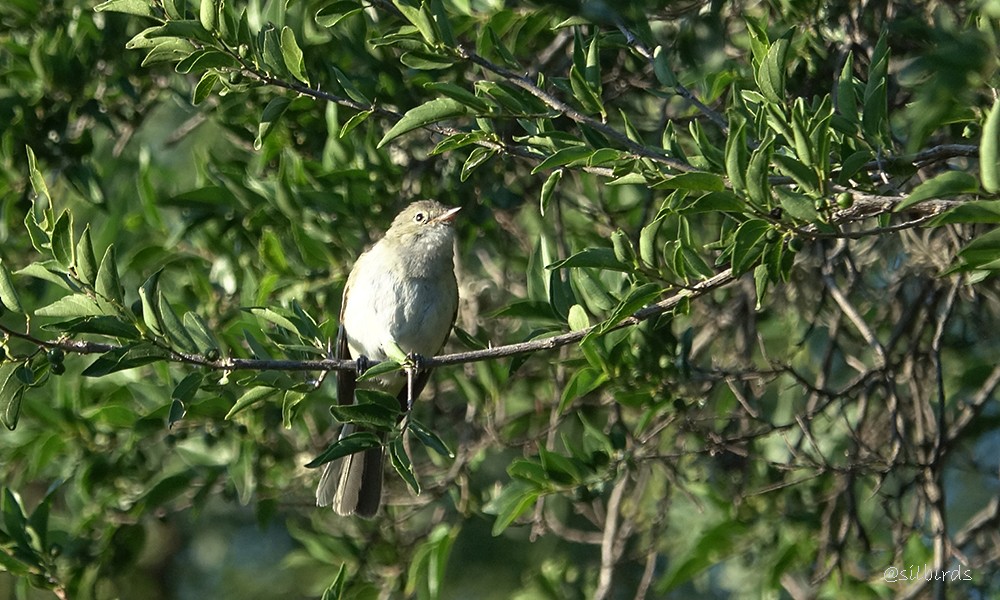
(420, 217)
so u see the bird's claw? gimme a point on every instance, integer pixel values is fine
(414, 362)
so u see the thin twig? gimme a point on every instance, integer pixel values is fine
(608, 542)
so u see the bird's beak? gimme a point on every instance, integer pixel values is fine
(448, 216)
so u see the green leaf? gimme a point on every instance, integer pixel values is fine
(169, 50)
(383, 367)
(758, 188)
(599, 258)
(173, 326)
(289, 403)
(458, 140)
(420, 18)
(559, 468)
(688, 262)
(847, 97)
(440, 18)
(39, 239)
(771, 73)
(749, 244)
(48, 271)
(577, 319)
(335, 591)
(549, 188)
(622, 246)
(206, 59)
(86, 262)
(515, 500)
(272, 252)
(292, 55)
(62, 239)
(588, 97)
(582, 382)
(529, 470)
(334, 13)
(947, 184)
(272, 112)
(101, 325)
(256, 348)
(989, 151)
(806, 178)
(661, 68)
(14, 519)
(423, 115)
(8, 293)
(647, 242)
(249, 398)
(187, 387)
(426, 61)
(200, 332)
(271, 316)
(108, 285)
(982, 253)
(401, 462)
(11, 389)
(139, 8)
(498, 45)
(41, 204)
(704, 552)
(593, 291)
(148, 297)
(798, 206)
(242, 472)
(563, 157)
(176, 413)
(760, 278)
(430, 439)
(74, 305)
(477, 157)
(715, 202)
(592, 69)
(875, 115)
(852, 164)
(269, 42)
(358, 441)
(165, 490)
(459, 94)
(638, 297)
(208, 14)
(349, 88)
(976, 211)
(205, 87)
(355, 120)
(125, 358)
(707, 182)
(737, 152)
(373, 408)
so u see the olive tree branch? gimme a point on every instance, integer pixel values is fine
(338, 364)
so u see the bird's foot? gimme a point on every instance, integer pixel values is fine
(361, 364)
(414, 362)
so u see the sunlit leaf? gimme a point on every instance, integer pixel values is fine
(947, 184)
(989, 151)
(249, 398)
(431, 112)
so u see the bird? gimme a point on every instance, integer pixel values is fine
(401, 294)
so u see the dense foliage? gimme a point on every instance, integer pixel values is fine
(748, 250)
